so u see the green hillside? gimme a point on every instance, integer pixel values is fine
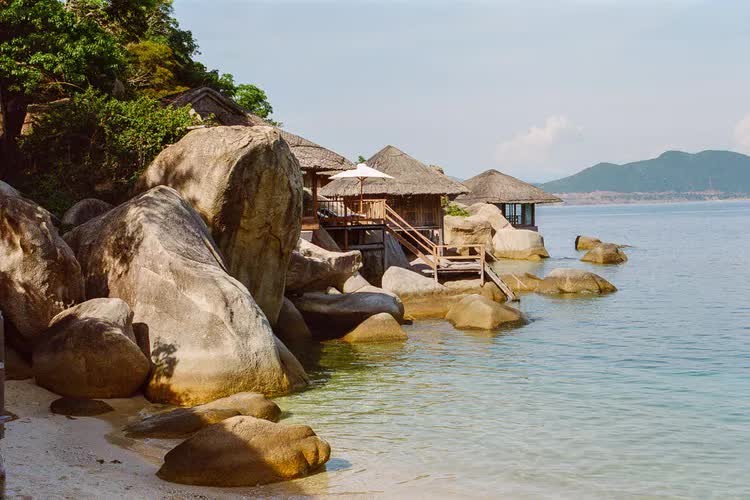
(673, 171)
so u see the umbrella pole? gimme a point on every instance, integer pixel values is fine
(361, 192)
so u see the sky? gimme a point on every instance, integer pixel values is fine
(538, 89)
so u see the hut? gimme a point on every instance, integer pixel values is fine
(415, 193)
(315, 161)
(517, 199)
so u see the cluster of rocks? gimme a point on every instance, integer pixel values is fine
(560, 281)
(487, 226)
(599, 252)
(176, 293)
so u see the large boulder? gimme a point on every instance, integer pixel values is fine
(586, 242)
(314, 268)
(521, 282)
(332, 316)
(84, 211)
(423, 297)
(183, 422)
(605, 253)
(89, 351)
(574, 281)
(475, 312)
(207, 336)
(354, 283)
(291, 327)
(522, 244)
(39, 274)
(247, 186)
(394, 253)
(8, 190)
(378, 328)
(471, 230)
(323, 239)
(491, 214)
(245, 451)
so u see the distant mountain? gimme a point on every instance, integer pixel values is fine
(719, 172)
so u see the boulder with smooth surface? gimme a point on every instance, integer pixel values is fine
(245, 451)
(586, 242)
(84, 211)
(378, 328)
(183, 422)
(291, 326)
(332, 316)
(207, 336)
(89, 351)
(563, 281)
(314, 268)
(605, 253)
(491, 214)
(475, 312)
(462, 231)
(521, 282)
(39, 274)
(521, 244)
(247, 185)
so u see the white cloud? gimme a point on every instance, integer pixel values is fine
(742, 135)
(535, 150)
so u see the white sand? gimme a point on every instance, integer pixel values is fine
(54, 456)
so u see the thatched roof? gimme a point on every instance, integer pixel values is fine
(410, 177)
(496, 187)
(313, 157)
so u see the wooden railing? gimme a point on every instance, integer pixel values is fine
(340, 212)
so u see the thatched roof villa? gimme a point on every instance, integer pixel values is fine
(414, 193)
(517, 199)
(315, 161)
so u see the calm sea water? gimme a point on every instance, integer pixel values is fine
(643, 393)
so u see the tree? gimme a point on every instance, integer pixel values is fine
(46, 52)
(361, 159)
(253, 100)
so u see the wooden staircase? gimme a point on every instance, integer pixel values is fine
(437, 259)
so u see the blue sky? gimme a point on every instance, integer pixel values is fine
(537, 89)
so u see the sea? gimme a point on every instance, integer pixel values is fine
(644, 393)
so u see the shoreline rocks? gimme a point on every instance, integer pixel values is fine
(519, 244)
(84, 211)
(476, 312)
(586, 242)
(313, 268)
(605, 253)
(245, 451)
(563, 281)
(207, 336)
(380, 327)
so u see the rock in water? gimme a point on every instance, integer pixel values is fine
(183, 422)
(491, 214)
(378, 328)
(291, 326)
(89, 351)
(522, 244)
(521, 282)
(475, 312)
(586, 242)
(605, 253)
(84, 211)
(332, 316)
(314, 268)
(247, 186)
(574, 281)
(76, 407)
(471, 230)
(208, 338)
(39, 274)
(245, 451)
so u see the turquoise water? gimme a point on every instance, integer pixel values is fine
(643, 393)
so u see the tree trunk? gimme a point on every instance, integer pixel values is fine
(12, 114)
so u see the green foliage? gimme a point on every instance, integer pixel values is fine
(253, 99)
(46, 51)
(152, 69)
(96, 146)
(450, 208)
(361, 159)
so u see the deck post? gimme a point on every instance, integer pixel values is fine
(481, 267)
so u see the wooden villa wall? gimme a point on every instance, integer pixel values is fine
(419, 210)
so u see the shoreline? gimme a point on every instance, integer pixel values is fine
(573, 203)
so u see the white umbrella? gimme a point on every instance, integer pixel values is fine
(362, 172)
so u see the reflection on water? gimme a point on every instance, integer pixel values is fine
(645, 392)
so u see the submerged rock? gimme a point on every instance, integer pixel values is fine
(245, 451)
(574, 281)
(291, 326)
(207, 336)
(39, 274)
(89, 351)
(378, 328)
(247, 186)
(475, 312)
(605, 253)
(521, 244)
(84, 211)
(77, 407)
(183, 422)
(314, 268)
(586, 242)
(332, 316)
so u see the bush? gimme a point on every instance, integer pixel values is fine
(93, 145)
(450, 208)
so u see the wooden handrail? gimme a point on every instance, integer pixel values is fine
(393, 216)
